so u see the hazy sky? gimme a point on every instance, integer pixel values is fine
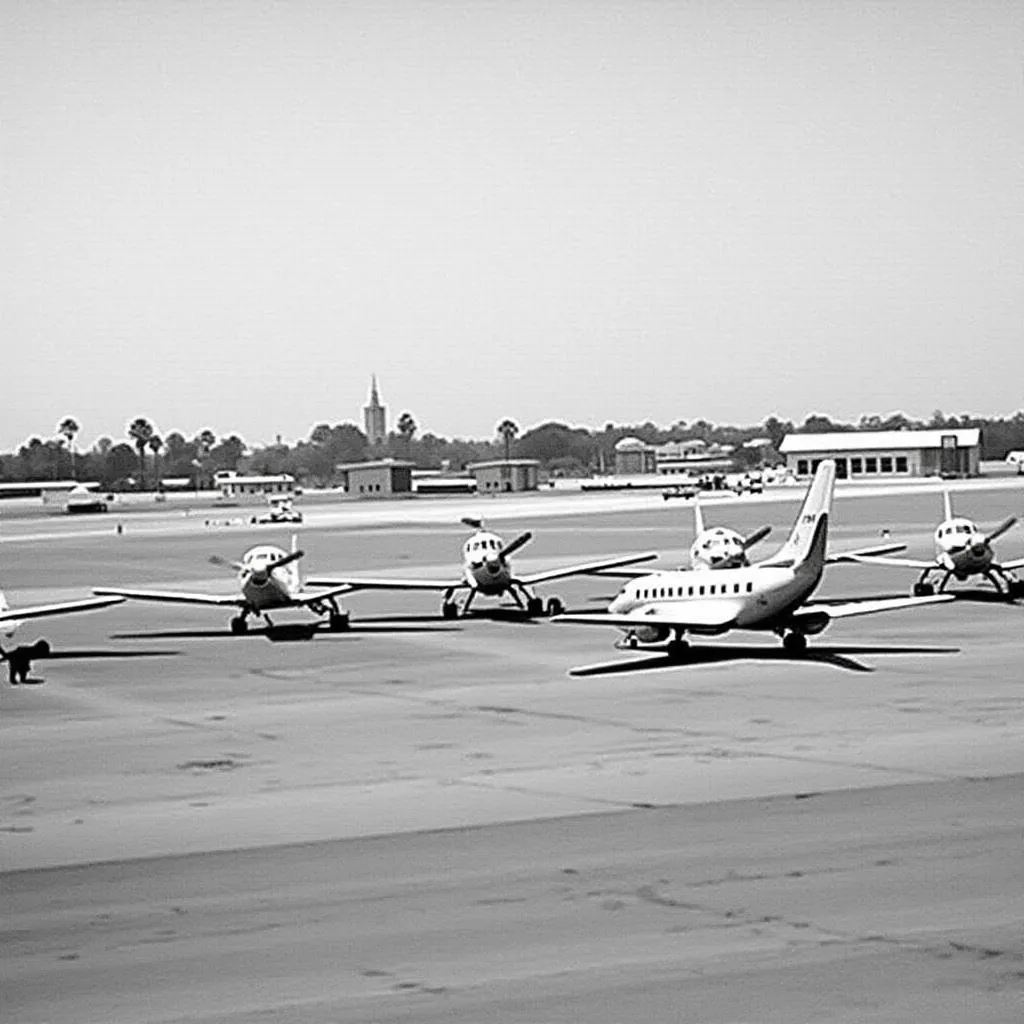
(229, 214)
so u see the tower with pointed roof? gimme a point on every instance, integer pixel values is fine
(375, 416)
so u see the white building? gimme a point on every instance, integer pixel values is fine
(868, 454)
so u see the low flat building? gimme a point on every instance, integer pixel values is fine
(377, 479)
(233, 486)
(870, 454)
(505, 475)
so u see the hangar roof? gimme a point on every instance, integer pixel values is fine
(872, 440)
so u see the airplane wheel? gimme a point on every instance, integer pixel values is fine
(239, 625)
(555, 606)
(449, 610)
(534, 606)
(678, 649)
(923, 590)
(1015, 589)
(338, 622)
(794, 642)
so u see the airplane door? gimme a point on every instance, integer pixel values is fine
(841, 469)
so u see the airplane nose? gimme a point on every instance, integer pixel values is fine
(978, 550)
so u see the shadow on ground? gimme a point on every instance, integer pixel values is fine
(836, 656)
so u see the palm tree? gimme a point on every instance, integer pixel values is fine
(67, 429)
(406, 427)
(204, 443)
(155, 443)
(140, 430)
(509, 431)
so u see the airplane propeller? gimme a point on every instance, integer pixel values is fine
(757, 536)
(736, 560)
(1001, 529)
(514, 545)
(225, 563)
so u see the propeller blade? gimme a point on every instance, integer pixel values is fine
(225, 563)
(292, 556)
(515, 545)
(1001, 529)
(475, 524)
(757, 535)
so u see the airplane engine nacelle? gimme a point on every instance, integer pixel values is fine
(813, 625)
(652, 634)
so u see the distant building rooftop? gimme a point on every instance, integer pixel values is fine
(870, 440)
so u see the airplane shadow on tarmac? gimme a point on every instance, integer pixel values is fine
(836, 656)
(290, 632)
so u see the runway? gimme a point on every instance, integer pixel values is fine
(424, 820)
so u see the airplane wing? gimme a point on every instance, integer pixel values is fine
(382, 583)
(586, 568)
(867, 607)
(861, 553)
(684, 615)
(900, 563)
(39, 611)
(173, 597)
(1017, 563)
(305, 597)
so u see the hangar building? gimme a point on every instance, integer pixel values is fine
(376, 479)
(870, 454)
(505, 475)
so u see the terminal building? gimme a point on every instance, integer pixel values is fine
(861, 454)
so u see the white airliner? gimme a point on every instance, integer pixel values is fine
(12, 618)
(961, 551)
(770, 595)
(486, 570)
(268, 580)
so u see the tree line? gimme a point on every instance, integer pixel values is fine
(145, 457)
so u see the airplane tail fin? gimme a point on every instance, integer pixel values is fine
(805, 546)
(698, 518)
(947, 505)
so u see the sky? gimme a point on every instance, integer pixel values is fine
(230, 214)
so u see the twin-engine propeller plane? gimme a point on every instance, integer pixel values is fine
(770, 595)
(486, 570)
(962, 550)
(268, 580)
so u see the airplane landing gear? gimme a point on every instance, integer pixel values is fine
(337, 622)
(449, 610)
(554, 607)
(1014, 588)
(534, 606)
(921, 589)
(794, 642)
(678, 648)
(239, 625)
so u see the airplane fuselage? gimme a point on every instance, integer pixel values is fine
(716, 547)
(483, 568)
(761, 597)
(962, 548)
(264, 590)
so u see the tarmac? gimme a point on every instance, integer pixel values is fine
(501, 820)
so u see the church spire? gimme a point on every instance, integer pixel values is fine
(375, 416)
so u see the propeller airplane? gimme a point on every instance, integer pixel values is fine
(268, 580)
(962, 550)
(487, 570)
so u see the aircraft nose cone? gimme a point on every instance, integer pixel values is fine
(978, 550)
